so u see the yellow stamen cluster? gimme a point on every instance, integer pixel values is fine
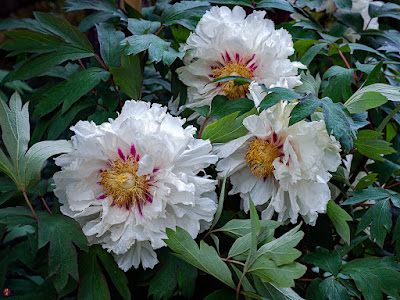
(233, 68)
(123, 185)
(260, 157)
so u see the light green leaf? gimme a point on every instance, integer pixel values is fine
(204, 258)
(220, 203)
(227, 128)
(310, 84)
(281, 250)
(129, 76)
(25, 166)
(240, 227)
(273, 292)
(366, 181)
(339, 217)
(390, 92)
(370, 144)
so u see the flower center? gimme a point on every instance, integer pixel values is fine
(233, 68)
(120, 182)
(260, 157)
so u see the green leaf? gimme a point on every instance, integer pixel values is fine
(221, 106)
(25, 166)
(116, 275)
(338, 121)
(390, 10)
(240, 227)
(327, 260)
(71, 90)
(204, 258)
(65, 30)
(396, 238)
(129, 76)
(374, 75)
(157, 47)
(220, 203)
(40, 64)
(366, 181)
(372, 193)
(380, 218)
(61, 233)
(141, 26)
(390, 92)
(60, 122)
(185, 13)
(271, 291)
(343, 5)
(92, 283)
(332, 289)
(304, 108)
(339, 86)
(31, 41)
(339, 217)
(370, 144)
(279, 4)
(367, 101)
(227, 128)
(277, 94)
(173, 271)
(281, 250)
(310, 84)
(255, 228)
(311, 53)
(374, 275)
(110, 47)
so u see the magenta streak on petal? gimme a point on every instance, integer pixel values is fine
(227, 56)
(149, 199)
(127, 206)
(223, 57)
(155, 170)
(237, 57)
(137, 157)
(98, 182)
(101, 170)
(140, 210)
(211, 75)
(274, 137)
(247, 62)
(133, 150)
(121, 154)
(101, 197)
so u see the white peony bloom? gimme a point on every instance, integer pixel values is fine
(227, 43)
(284, 169)
(131, 178)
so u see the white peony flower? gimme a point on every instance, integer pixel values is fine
(131, 178)
(227, 43)
(283, 168)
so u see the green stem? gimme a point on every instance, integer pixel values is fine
(388, 118)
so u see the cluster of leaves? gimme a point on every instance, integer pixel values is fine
(70, 73)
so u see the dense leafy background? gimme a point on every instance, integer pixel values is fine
(85, 70)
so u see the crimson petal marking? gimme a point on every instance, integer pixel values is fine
(121, 154)
(133, 150)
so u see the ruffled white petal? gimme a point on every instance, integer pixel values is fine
(299, 184)
(169, 157)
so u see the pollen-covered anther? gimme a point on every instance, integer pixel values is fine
(233, 68)
(121, 182)
(260, 156)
